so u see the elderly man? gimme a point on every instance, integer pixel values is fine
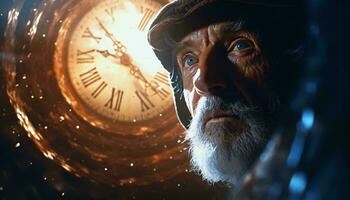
(232, 65)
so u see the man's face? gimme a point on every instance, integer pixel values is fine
(224, 77)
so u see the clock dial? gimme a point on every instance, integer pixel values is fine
(75, 60)
(110, 66)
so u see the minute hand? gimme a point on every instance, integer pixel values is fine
(122, 54)
(117, 43)
(125, 58)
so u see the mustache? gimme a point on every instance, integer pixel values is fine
(224, 151)
(212, 106)
(228, 133)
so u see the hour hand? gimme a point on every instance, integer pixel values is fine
(123, 59)
(106, 53)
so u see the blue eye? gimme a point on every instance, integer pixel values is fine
(241, 45)
(189, 60)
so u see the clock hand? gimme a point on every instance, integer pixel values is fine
(135, 71)
(120, 47)
(125, 58)
(106, 53)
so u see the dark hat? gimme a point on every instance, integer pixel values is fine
(181, 17)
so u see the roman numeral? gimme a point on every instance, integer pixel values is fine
(161, 77)
(146, 103)
(99, 89)
(110, 12)
(147, 16)
(156, 89)
(90, 77)
(85, 56)
(115, 99)
(162, 93)
(88, 34)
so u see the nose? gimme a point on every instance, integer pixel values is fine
(213, 73)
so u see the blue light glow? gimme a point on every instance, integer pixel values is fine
(307, 118)
(295, 153)
(297, 183)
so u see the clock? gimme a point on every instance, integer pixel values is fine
(89, 92)
(107, 71)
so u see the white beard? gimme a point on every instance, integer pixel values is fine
(222, 152)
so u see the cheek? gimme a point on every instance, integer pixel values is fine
(252, 68)
(188, 89)
(188, 95)
(188, 75)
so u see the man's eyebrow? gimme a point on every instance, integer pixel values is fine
(181, 46)
(231, 27)
(234, 26)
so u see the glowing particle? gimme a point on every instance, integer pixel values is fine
(18, 145)
(45, 127)
(154, 169)
(298, 183)
(45, 178)
(186, 170)
(61, 118)
(1, 189)
(24, 77)
(307, 118)
(106, 168)
(178, 185)
(165, 146)
(131, 164)
(160, 114)
(62, 194)
(77, 126)
(179, 141)
(44, 35)
(32, 97)
(170, 157)
(20, 61)
(17, 84)
(41, 97)
(134, 120)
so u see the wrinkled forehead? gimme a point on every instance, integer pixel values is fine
(216, 31)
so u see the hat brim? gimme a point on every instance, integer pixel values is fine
(181, 19)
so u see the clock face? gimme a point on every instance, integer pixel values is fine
(110, 66)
